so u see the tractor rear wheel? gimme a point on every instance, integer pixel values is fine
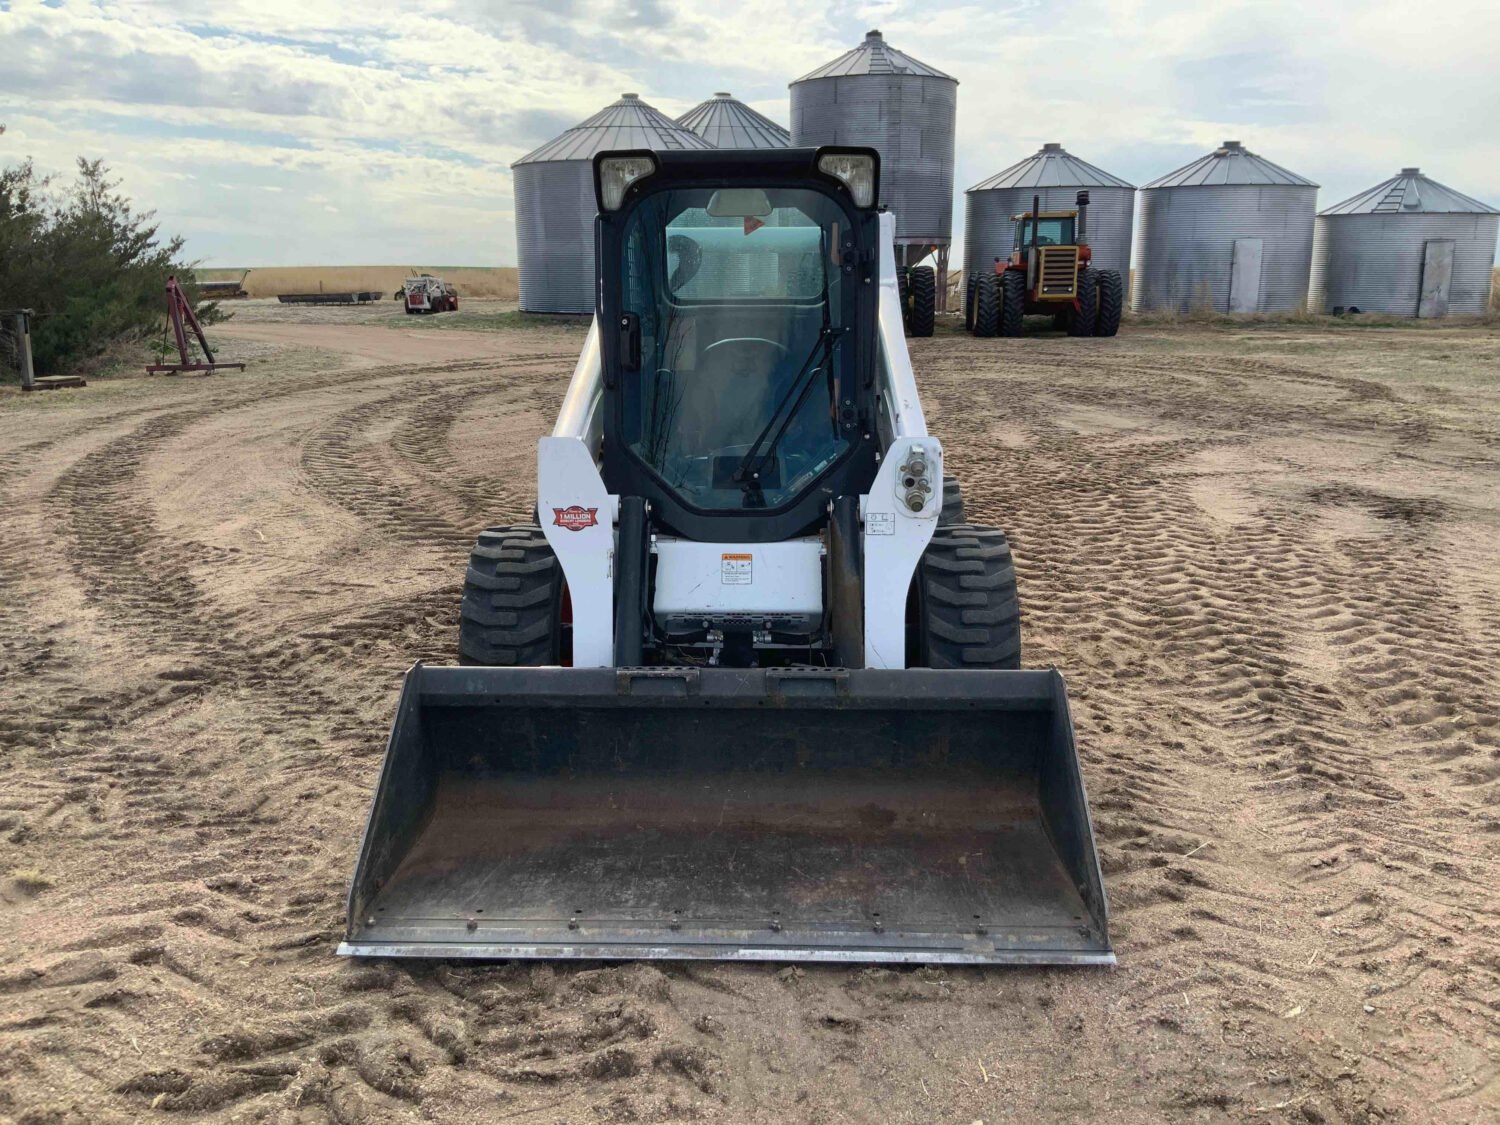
(971, 285)
(513, 610)
(987, 305)
(1012, 302)
(965, 613)
(1088, 304)
(903, 293)
(1111, 302)
(923, 285)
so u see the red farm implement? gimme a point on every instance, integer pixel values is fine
(181, 317)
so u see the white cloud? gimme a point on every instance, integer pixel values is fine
(355, 132)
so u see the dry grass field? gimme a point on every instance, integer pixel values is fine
(1267, 559)
(270, 281)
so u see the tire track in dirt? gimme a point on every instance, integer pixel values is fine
(422, 495)
(1237, 607)
(142, 584)
(1241, 715)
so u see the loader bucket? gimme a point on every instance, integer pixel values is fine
(758, 814)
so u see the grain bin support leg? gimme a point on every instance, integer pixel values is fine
(942, 279)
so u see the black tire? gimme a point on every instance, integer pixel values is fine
(513, 599)
(1088, 304)
(987, 305)
(953, 503)
(966, 613)
(1111, 302)
(923, 286)
(903, 293)
(1012, 302)
(971, 284)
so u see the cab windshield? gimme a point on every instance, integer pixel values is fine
(740, 295)
(1049, 232)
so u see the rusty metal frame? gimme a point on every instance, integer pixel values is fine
(181, 316)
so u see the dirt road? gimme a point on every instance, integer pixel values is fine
(1268, 562)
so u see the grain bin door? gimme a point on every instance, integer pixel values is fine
(1437, 277)
(1244, 275)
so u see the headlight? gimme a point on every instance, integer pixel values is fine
(616, 173)
(856, 170)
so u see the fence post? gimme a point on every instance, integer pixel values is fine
(23, 333)
(21, 319)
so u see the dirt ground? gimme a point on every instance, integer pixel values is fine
(1267, 561)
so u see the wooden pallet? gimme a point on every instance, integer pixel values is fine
(55, 382)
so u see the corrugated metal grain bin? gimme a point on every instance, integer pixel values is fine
(875, 95)
(1231, 232)
(555, 206)
(1406, 247)
(725, 122)
(1057, 176)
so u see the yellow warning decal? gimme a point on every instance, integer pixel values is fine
(736, 569)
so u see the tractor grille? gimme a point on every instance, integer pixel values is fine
(1059, 271)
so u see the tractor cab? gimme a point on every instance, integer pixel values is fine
(1048, 255)
(1053, 228)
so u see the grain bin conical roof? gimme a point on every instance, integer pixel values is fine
(1230, 164)
(1050, 166)
(1409, 192)
(627, 123)
(874, 57)
(724, 122)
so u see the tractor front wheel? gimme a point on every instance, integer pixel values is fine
(1012, 302)
(1111, 302)
(1087, 311)
(923, 286)
(987, 305)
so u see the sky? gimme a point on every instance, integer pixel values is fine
(327, 132)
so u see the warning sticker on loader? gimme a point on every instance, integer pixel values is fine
(880, 523)
(736, 570)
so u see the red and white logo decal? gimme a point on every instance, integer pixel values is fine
(575, 518)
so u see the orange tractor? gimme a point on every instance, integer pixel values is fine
(1048, 273)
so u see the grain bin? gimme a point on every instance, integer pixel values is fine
(875, 95)
(1231, 232)
(726, 123)
(555, 206)
(1407, 247)
(1057, 176)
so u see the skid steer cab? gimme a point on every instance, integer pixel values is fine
(1049, 273)
(750, 686)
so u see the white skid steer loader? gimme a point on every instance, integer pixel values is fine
(750, 688)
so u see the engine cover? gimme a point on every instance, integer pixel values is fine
(776, 586)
